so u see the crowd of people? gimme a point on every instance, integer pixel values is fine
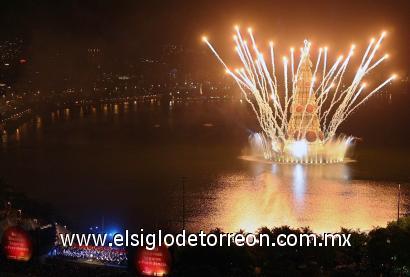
(105, 255)
(61, 268)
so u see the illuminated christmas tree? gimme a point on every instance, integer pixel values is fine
(304, 121)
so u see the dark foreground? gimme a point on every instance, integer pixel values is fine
(381, 252)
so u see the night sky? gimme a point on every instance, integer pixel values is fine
(126, 27)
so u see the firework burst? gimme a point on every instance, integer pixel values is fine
(300, 115)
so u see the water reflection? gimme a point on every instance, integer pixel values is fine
(299, 184)
(321, 197)
(38, 122)
(229, 193)
(4, 139)
(17, 137)
(67, 113)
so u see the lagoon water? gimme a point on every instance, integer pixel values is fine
(126, 163)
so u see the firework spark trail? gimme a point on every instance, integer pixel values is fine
(356, 95)
(292, 62)
(271, 85)
(378, 62)
(258, 82)
(241, 48)
(272, 55)
(316, 67)
(285, 74)
(326, 77)
(325, 62)
(323, 74)
(252, 69)
(346, 114)
(342, 110)
(371, 94)
(334, 101)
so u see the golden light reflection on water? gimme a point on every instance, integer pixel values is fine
(39, 122)
(67, 113)
(321, 197)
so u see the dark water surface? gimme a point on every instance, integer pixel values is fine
(124, 163)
